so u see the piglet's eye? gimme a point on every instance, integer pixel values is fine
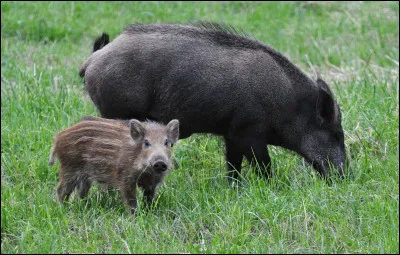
(146, 144)
(166, 143)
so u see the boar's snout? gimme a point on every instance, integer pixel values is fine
(160, 166)
(324, 167)
(338, 162)
(340, 166)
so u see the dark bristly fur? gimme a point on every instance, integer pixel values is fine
(215, 79)
(113, 154)
(221, 27)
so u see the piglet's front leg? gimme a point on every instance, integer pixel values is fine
(128, 195)
(148, 195)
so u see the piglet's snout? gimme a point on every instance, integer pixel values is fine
(160, 166)
(159, 163)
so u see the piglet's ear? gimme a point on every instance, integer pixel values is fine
(137, 129)
(173, 130)
(325, 103)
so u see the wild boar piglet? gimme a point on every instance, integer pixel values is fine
(112, 153)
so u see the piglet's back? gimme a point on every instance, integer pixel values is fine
(94, 142)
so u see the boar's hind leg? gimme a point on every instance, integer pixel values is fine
(234, 157)
(257, 153)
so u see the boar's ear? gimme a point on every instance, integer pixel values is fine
(173, 130)
(325, 103)
(137, 129)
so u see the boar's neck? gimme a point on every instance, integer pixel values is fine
(295, 119)
(299, 80)
(297, 107)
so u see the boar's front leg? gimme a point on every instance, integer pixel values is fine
(234, 157)
(257, 153)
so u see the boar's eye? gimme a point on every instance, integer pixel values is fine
(166, 143)
(146, 143)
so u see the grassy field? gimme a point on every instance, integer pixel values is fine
(353, 45)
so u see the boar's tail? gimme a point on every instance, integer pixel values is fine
(101, 41)
(51, 158)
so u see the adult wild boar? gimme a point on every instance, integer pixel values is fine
(215, 80)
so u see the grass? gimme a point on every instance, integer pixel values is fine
(353, 45)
